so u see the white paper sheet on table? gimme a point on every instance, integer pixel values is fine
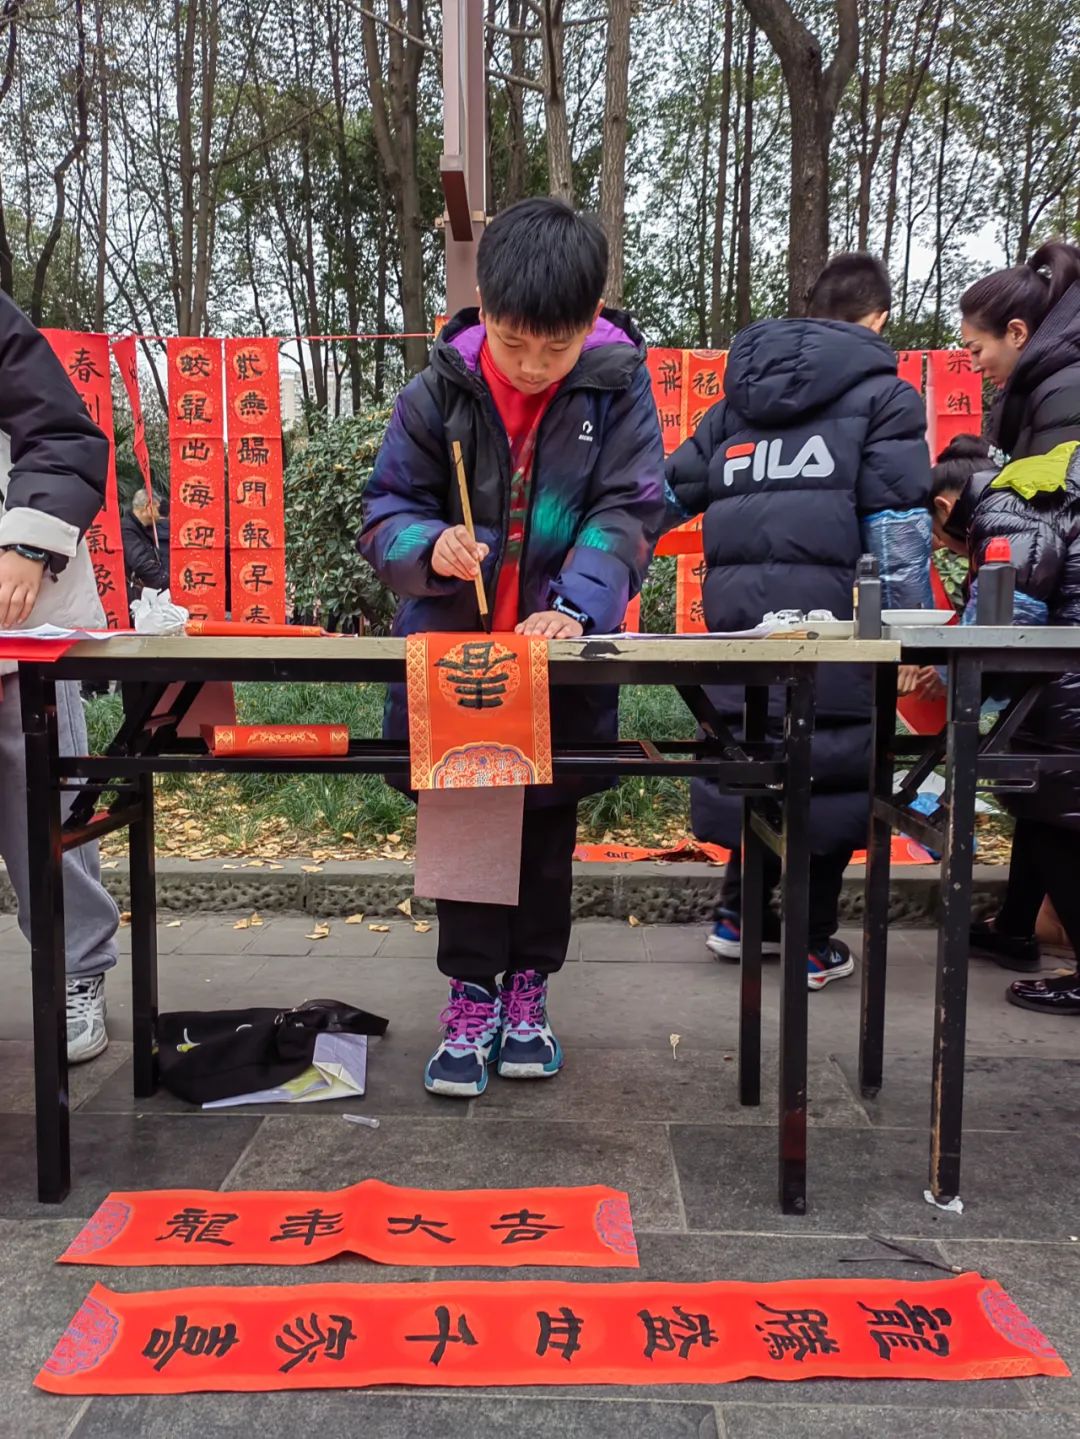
(53, 632)
(338, 1071)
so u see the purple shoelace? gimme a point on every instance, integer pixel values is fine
(524, 1001)
(467, 1020)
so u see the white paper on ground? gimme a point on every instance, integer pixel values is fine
(468, 844)
(338, 1071)
(954, 1206)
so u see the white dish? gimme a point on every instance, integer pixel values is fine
(916, 617)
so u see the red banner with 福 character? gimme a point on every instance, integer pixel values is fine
(256, 481)
(85, 359)
(197, 476)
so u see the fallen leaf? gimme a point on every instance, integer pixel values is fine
(125, 917)
(347, 835)
(422, 928)
(393, 839)
(253, 864)
(230, 866)
(634, 921)
(242, 924)
(311, 868)
(174, 924)
(110, 864)
(406, 907)
(379, 928)
(319, 932)
(355, 919)
(256, 922)
(275, 866)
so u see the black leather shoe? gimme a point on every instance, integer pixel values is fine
(1059, 994)
(1010, 951)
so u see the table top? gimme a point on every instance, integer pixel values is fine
(598, 658)
(952, 639)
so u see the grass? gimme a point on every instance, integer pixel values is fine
(354, 816)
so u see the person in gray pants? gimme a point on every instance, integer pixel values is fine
(53, 466)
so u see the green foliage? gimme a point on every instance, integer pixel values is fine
(658, 597)
(324, 488)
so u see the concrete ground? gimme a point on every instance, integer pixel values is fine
(700, 1171)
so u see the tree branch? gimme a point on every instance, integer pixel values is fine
(395, 29)
(521, 81)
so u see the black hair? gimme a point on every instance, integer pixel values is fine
(962, 457)
(542, 268)
(850, 287)
(1022, 292)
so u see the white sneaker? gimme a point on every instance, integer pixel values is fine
(86, 1037)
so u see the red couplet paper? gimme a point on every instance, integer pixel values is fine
(909, 366)
(953, 398)
(256, 480)
(904, 851)
(126, 355)
(197, 480)
(704, 372)
(689, 602)
(338, 1336)
(666, 373)
(287, 739)
(86, 360)
(684, 540)
(479, 712)
(222, 629)
(588, 1226)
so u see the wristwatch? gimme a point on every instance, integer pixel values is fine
(564, 607)
(29, 552)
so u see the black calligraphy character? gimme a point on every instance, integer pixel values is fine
(256, 578)
(682, 1332)
(253, 492)
(305, 1339)
(307, 1227)
(669, 420)
(958, 362)
(442, 1318)
(195, 451)
(193, 408)
(563, 1335)
(416, 1224)
(697, 610)
(247, 365)
(252, 403)
(97, 541)
(909, 1326)
(214, 1342)
(194, 367)
(195, 581)
(253, 450)
(105, 583)
(255, 537)
(706, 383)
(479, 678)
(199, 536)
(82, 366)
(523, 1227)
(258, 615)
(670, 376)
(959, 404)
(797, 1332)
(196, 495)
(198, 1226)
(699, 571)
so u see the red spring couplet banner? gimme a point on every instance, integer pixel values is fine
(126, 354)
(953, 398)
(666, 373)
(340, 1336)
(903, 851)
(197, 477)
(704, 387)
(689, 600)
(86, 361)
(909, 366)
(256, 481)
(248, 741)
(479, 712)
(684, 540)
(587, 1226)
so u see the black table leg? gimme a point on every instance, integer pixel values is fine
(876, 892)
(795, 945)
(144, 970)
(950, 1004)
(756, 710)
(47, 946)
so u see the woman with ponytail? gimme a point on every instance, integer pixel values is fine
(1022, 329)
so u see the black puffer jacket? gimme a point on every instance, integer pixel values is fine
(816, 436)
(1044, 541)
(1040, 406)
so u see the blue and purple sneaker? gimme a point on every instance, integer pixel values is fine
(529, 1049)
(472, 1024)
(726, 939)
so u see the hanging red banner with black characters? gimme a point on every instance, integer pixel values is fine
(197, 477)
(479, 713)
(689, 600)
(256, 481)
(85, 359)
(953, 398)
(703, 373)
(909, 366)
(666, 373)
(343, 1336)
(588, 1226)
(126, 354)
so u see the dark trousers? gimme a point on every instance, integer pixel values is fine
(826, 880)
(480, 941)
(1045, 861)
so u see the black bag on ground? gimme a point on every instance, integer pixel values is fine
(217, 1054)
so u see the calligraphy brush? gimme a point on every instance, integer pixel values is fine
(466, 510)
(910, 1256)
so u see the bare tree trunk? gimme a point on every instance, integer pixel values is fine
(349, 259)
(515, 101)
(613, 144)
(103, 187)
(939, 224)
(10, 18)
(814, 93)
(742, 274)
(718, 314)
(560, 159)
(59, 176)
(931, 11)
